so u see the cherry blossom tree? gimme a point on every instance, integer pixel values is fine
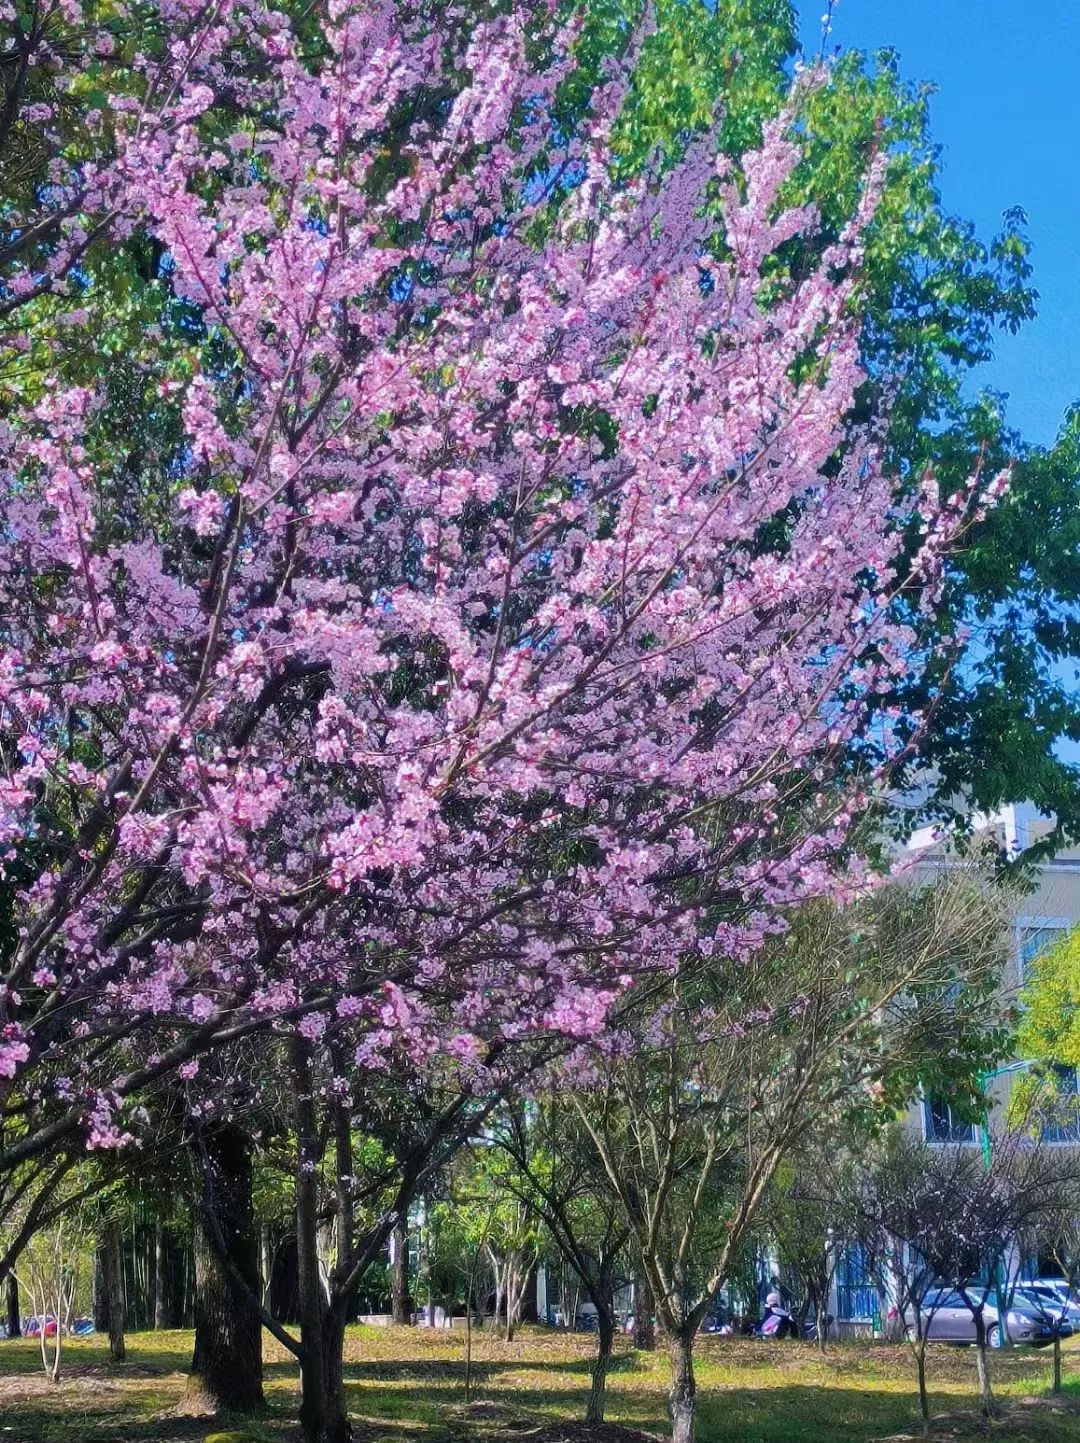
(511, 622)
(689, 1118)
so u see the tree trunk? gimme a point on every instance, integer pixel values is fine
(683, 1387)
(644, 1326)
(161, 1264)
(1056, 1387)
(426, 1281)
(401, 1274)
(153, 1279)
(323, 1414)
(821, 1322)
(14, 1321)
(226, 1369)
(113, 1291)
(605, 1339)
(337, 1426)
(511, 1303)
(924, 1400)
(497, 1276)
(100, 1309)
(982, 1367)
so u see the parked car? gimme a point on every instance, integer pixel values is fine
(1059, 1285)
(1052, 1299)
(948, 1319)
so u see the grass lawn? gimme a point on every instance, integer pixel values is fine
(408, 1384)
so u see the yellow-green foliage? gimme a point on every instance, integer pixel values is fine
(1050, 1026)
(1049, 1036)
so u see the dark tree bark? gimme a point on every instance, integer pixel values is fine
(113, 1291)
(153, 1278)
(605, 1340)
(100, 1309)
(644, 1327)
(924, 1397)
(14, 1320)
(401, 1275)
(683, 1387)
(323, 1413)
(226, 1370)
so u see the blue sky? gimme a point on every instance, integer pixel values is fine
(1007, 116)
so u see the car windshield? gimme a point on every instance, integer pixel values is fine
(1026, 1299)
(1060, 1287)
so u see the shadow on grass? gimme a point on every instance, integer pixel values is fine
(856, 1395)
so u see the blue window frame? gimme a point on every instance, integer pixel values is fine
(856, 1296)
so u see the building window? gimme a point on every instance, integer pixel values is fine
(942, 1124)
(1035, 935)
(856, 1295)
(1064, 1124)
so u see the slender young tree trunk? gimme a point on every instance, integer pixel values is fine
(14, 1320)
(605, 1340)
(982, 1368)
(512, 1281)
(497, 1274)
(137, 1294)
(266, 1266)
(401, 1275)
(821, 1315)
(427, 1261)
(153, 1279)
(161, 1263)
(683, 1387)
(1056, 1387)
(226, 1369)
(924, 1399)
(113, 1287)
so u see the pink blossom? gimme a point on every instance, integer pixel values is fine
(412, 733)
(14, 1050)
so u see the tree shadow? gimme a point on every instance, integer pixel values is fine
(864, 1395)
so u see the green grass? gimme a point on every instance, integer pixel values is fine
(407, 1385)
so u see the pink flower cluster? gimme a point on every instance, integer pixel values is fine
(458, 689)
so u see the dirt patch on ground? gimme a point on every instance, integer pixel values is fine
(586, 1433)
(488, 1421)
(22, 1387)
(1011, 1416)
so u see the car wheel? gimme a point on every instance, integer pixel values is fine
(993, 1336)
